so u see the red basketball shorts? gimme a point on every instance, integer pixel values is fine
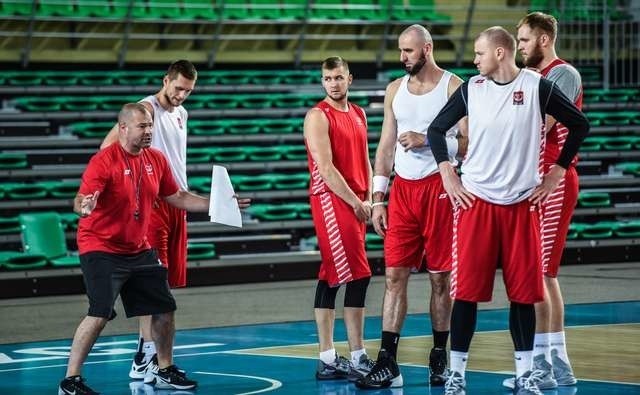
(168, 235)
(490, 234)
(420, 224)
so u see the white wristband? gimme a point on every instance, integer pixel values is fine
(377, 204)
(380, 184)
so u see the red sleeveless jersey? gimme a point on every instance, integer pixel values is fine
(348, 136)
(558, 133)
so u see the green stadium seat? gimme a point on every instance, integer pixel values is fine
(374, 123)
(234, 78)
(575, 231)
(632, 168)
(260, 154)
(17, 7)
(80, 103)
(297, 77)
(137, 77)
(138, 9)
(63, 78)
(261, 182)
(619, 118)
(327, 9)
(628, 229)
(206, 127)
(61, 189)
(294, 9)
(424, 10)
(221, 101)
(69, 220)
(291, 181)
(372, 241)
(594, 199)
(22, 261)
(360, 100)
(294, 152)
(609, 95)
(97, 78)
(368, 10)
(13, 161)
(196, 251)
(94, 8)
(593, 143)
(303, 210)
(170, 9)
(291, 101)
(620, 143)
(200, 184)
(281, 126)
(266, 9)
(91, 129)
(199, 9)
(20, 191)
(255, 101)
(198, 155)
(271, 212)
(43, 234)
(266, 78)
(599, 230)
(230, 154)
(235, 10)
(36, 104)
(56, 8)
(9, 225)
(596, 118)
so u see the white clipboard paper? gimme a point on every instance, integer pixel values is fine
(223, 206)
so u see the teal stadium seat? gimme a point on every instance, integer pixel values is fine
(91, 129)
(594, 199)
(263, 154)
(374, 242)
(17, 7)
(294, 152)
(235, 10)
(199, 9)
(200, 184)
(327, 9)
(575, 231)
(25, 191)
(36, 104)
(261, 182)
(61, 189)
(94, 8)
(9, 225)
(199, 251)
(629, 228)
(243, 126)
(368, 10)
(198, 155)
(13, 161)
(291, 181)
(632, 168)
(599, 230)
(43, 234)
(50, 8)
(15, 260)
(281, 126)
(201, 127)
(272, 212)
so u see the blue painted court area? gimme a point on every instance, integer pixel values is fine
(226, 360)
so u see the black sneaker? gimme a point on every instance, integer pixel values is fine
(438, 367)
(337, 370)
(75, 385)
(384, 374)
(361, 369)
(169, 378)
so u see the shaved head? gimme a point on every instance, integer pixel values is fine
(420, 32)
(499, 37)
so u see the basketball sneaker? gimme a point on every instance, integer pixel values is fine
(385, 373)
(547, 381)
(170, 377)
(75, 385)
(527, 384)
(562, 370)
(455, 385)
(141, 364)
(338, 369)
(361, 369)
(437, 367)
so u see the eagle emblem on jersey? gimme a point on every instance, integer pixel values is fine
(518, 98)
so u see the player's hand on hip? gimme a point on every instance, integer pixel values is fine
(410, 140)
(458, 195)
(89, 203)
(550, 183)
(379, 219)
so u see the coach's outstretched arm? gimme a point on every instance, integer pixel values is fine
(451, 113)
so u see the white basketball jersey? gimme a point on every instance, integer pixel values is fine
(170, 137)
(415, 113)
(505, 138)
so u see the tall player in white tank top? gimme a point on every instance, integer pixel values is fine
(418, 210)
(499, 221)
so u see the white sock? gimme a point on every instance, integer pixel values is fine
(541, 346)
(355, 356)
(149, 349)
(328, 356)
(557, 341)
(523, 361)
(459, 361)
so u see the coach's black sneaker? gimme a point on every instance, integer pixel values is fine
(141, 362)
(337, 370)
(384, 374)
(75, 385)
(170, 377)
(438, 367)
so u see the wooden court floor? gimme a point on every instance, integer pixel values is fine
(604, 343)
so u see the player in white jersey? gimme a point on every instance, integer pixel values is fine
(420, 218)
(537, 34)
(499, 193)
(168, 228)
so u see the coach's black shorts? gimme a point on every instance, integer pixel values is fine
(140, 279)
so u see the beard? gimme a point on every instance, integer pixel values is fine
(534, 58)
(416, 67)
(174, 103)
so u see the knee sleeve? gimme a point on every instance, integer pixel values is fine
(356, 292)
(325, 296)
(522, 325)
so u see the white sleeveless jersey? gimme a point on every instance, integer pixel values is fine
(415, 113)
(170, 137)
(505, 138)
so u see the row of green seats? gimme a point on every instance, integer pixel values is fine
(614, 95)
(39, 190)
(246, 153)
(618, 143)
(10, 160)
(260, 182)
(373, 10)
(280, 212)
(217, 101)
(154, 77)
(613, 118)
(11, 225)
(582, 10)
(604, 230)
(43, 241)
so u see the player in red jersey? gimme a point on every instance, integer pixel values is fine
(335, 133)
